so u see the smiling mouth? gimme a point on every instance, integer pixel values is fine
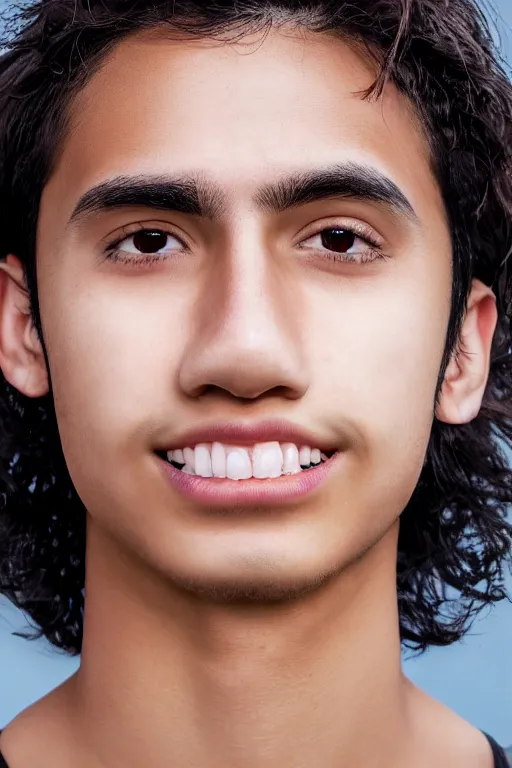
(261, 461)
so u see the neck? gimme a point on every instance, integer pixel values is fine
(168, 679)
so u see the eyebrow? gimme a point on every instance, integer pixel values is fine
(198, 197)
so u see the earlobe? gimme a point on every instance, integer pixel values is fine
(21, 353)
(467, 373)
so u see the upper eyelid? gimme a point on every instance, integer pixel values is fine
(359, 236)
(359, 228)
(111, 242)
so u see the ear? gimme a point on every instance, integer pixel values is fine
(467, 373)
(21, 353)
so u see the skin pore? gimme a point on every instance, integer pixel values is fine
(188, 659)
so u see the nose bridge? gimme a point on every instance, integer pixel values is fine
(255, 302)
(248, 336)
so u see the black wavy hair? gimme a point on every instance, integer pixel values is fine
(454, 536)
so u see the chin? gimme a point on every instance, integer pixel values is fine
(263, 585)
(243, 592)
(259, 562)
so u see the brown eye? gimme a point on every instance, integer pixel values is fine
(145, 244)
(149, 241)
(344, 244)
(338, 240)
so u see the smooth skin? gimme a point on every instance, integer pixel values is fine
(246, 316)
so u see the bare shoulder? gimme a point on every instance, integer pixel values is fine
(37, 734)
(447, 738)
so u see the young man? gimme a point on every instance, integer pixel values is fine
(255, 336)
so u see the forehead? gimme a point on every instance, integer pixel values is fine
(238, 114)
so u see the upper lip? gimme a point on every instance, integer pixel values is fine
(246, 433)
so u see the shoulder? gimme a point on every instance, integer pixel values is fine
(3, 764)
(448, 739)
(36, 731)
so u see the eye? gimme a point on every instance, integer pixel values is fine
(344, 244)
(144, 243)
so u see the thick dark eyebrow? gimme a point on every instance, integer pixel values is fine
(197, 197)
(358, 182)
(162, 193)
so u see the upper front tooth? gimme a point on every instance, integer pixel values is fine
(203, 461)
(305, 456)
(218, 460)
(267, 460)
(238, 464)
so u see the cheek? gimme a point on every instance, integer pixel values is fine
(380, 357)
(113, 357)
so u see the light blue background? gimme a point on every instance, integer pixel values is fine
(473, 677)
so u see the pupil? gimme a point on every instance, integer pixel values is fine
(149, 241)
(340, 240)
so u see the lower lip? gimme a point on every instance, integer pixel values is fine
(220, 492)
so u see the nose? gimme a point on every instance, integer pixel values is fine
(247, 338)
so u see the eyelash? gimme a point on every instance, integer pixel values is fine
(112, 252)
(362, 232)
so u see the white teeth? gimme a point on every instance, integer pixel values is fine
(305, 456)
(203, 461)
(290, 459)
(218, 460)
(267, 460)
(262, 461)
(238, 464)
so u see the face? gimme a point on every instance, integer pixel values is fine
(273, 265)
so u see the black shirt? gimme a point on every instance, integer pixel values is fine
(500, 758)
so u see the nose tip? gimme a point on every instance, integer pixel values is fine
(244, 375)
(246, 360)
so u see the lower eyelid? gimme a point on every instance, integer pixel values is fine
(143, 260)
